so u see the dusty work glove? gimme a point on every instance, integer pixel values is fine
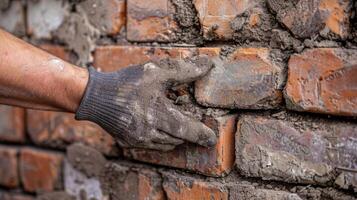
(131, 105)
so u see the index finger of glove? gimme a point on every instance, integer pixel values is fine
(184, 71)
(176, 124)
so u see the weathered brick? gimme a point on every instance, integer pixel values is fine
(88, 173)
(247, 79)
(57, 130)
(12, 18)
(216, 161)
(150, 20)
(307, 18)
(133, 184)
(44, 17)
(112, 58)
(323, 81)
(12, 128)
(40, 171)
(297, 149)
(183, 187)
(107, 16)
(241, 191)
(57, 50)
(216, 16)
(8, 167)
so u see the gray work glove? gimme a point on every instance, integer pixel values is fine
(131, 105)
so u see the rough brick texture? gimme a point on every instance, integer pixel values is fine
(323, 81)
(40, 171)
(150, 20)
(12, 128)
(54, 129)
(9, 177)
(246, 79)
(297, 150)
(216, 161)
(216, 16)
(307, 18)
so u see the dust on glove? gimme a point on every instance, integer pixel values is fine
(131, 105)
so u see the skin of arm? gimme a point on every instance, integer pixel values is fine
(32, 78)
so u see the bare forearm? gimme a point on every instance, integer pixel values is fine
(32, 78)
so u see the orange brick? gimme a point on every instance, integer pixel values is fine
(12, 128)
(307, 18)
(57, 130)
(107, 16)
(179, 187)
(216, 16)
(40, 171)
(246, 79)
(323, 81)
(112, 58)
(216, 161)
(57, 50)
(8, 167)
(150, 20)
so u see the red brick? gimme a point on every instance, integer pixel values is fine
(307, 18)
(57, 130)
(297, 149)
(150, 20)
(107, 16)
(40, 171)
(12, 128)
(216, 161)
(57, 50)
(323, 81)
(112, 58)
(247, 79)
(8, 167)
(216, 16)
(180, 187)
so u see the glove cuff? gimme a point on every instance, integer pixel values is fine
(102, 102)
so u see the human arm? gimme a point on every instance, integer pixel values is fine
(130, 104)
(32, 78)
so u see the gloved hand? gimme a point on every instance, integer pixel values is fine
(131, 105)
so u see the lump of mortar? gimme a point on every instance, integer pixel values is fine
(4, 4)
(60, 195)
(79, 36)
(86, 159)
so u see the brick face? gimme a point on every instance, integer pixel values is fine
(216, 161)
(246, 79)
(150, 20)
(107, 16)
(12, 128)
(297, 150)
(9, 177)
(112, 58)
(307, 18)
(180, 187)
(40, 171)
(323, 81)
(216, 16)
(57, 130)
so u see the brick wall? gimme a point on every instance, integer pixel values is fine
(283, 102)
